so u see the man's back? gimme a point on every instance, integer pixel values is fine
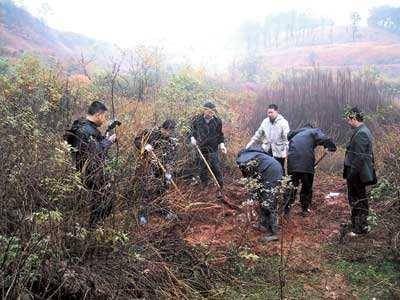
(87, 142)
(302, 144)
(269, 168)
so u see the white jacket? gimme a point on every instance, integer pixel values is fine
(272, 136)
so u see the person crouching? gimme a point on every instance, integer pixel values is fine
(267, 171)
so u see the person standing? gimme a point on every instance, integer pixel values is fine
(272, 134)
(267, 173)
(206, 133)
(359, 170)
(89, 152)
(301, 163)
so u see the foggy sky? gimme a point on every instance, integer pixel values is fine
(201, 27)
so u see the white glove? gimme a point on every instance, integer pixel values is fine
(148, 147)
(193, 141)
(249, 144)
(112, 138)
(168, 176)
(223, 148)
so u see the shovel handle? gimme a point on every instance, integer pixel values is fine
(208, 166)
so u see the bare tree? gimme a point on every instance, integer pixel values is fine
(355, 24)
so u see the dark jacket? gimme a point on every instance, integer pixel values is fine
(302, 144)
(266, 166)
(163, 145)
(208, 135)
(89, 148)
(359, 158)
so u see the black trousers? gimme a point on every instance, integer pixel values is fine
(100, 201)
(268, 206)
(100, 206)
(152, 185)
(358, 201)
(306, 180)
(214, 161)
(98, 184)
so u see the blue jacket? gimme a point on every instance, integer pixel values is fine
(302, 144)
(268, 167)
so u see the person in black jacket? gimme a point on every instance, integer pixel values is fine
(301, 161)
(206, 133)
(359, 170)
(153, 180)
(89, 151)
(267, 171)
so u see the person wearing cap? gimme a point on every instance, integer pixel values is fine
(301, 163)
(153, 180)
(272, 134)
(266, 173)
(359, 170)
(206, 133)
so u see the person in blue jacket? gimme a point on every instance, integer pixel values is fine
(301, 163)
(267, 171)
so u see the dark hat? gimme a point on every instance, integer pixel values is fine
(354, 113)
(169, 124)
(209, 104)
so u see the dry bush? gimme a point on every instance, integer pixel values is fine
(387, 193)
(321, 97)
(46, 248)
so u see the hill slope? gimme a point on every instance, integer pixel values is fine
(373, 47)
(21, 32)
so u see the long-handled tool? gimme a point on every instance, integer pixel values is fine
(321, 158)
(165, 172)
(215, 179)
(208, 166)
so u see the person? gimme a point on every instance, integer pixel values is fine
(255, 164)
(272, 134)
(359, 170)
(206, 133)
(89, 151)
(154, 181)
(301, 163)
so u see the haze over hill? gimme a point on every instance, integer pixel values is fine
(322, 43)
(20, 32)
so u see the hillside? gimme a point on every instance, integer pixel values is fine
(20, 32)
(384, 56)
(373, 47)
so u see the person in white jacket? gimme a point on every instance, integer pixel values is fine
(272, 134)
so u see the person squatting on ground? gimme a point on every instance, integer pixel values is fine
(153, 180)
(272, 134)
(206, 133)
(359, 170)
(267, 172)
(301, 163)
(89, 152)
